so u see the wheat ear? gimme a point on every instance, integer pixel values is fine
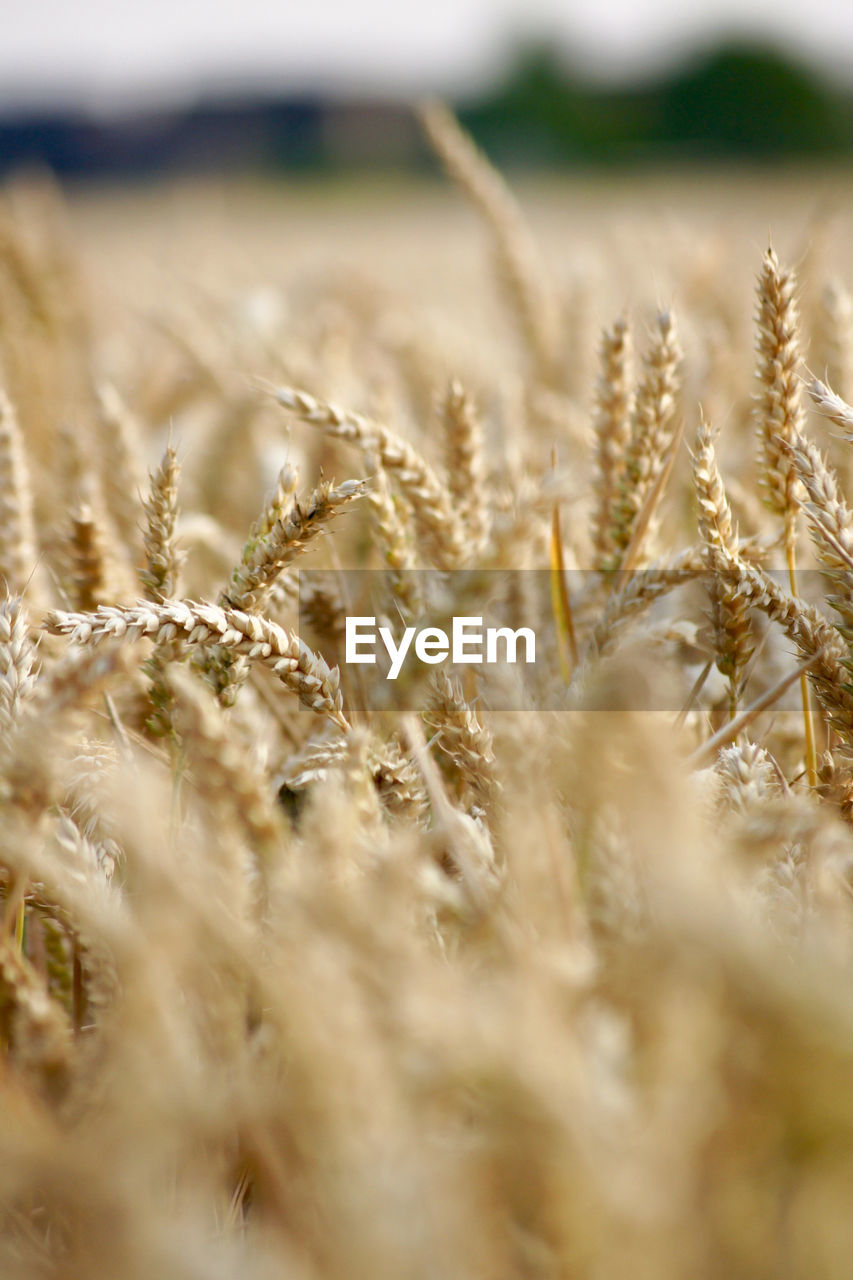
(17, 662)
(401, 790)
(462, 739)
(161, 575)
(612, 424)
(653, 427)
(424, 490)
(88, 559)
(811, 632)
(18, 552)
(638, 594)
(259, 572)
(263, 559)
(779, 410)
(244, 634)
(780, 417)
(395, 540)
(463, 435)
(831, 524)
(728, 606)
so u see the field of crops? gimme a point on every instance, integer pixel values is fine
(522, 976)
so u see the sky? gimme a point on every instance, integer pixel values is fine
(108, 53)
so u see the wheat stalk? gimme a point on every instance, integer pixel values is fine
(520, 269)
(121, 468)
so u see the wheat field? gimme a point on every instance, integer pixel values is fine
(544, 980)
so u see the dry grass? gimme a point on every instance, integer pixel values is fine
(469, 992)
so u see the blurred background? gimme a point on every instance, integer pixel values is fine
(104, 90)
